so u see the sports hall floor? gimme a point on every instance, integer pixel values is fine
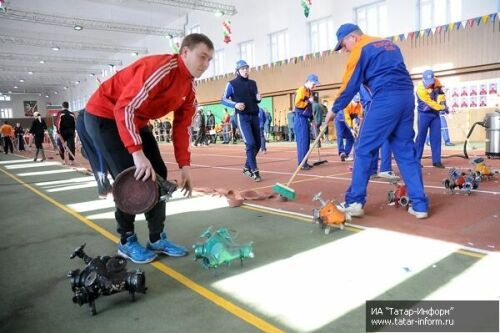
(300, 280)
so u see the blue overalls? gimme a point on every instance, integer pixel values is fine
(429, 120)
(343, 133)
(385, 150)
(302, 125)
(242, 90)
(445, 134)
(263, 119)
(379, 66)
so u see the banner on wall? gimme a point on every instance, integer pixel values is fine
(29, 108)
(472, 94)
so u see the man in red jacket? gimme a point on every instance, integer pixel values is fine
(117, 117)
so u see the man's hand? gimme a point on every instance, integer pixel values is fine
(143, 167)
(311, 99)
(240, 106)
(186, 186)
(258, 97)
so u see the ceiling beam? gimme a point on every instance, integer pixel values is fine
(59, 59)
(41, 69)
(207, 6)
(65, 21)
(25, 41)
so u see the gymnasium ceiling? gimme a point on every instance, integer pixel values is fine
(41, 52)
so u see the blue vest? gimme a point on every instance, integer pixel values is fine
(245, 91)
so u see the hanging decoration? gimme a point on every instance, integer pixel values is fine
(306, 4)
(174, 44)
(226, 26)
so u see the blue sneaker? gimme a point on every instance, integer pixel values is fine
(134, 251)
(163, 245)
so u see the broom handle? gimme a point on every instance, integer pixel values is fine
(65, 146)
(323, 130)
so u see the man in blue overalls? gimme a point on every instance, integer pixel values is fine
(242, 94)
(445, 134)
(303, 114)
(431, 102)
(385, 151)
(345, 129)
(378, 65)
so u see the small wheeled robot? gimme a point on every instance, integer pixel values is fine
(103, 276)
(329, 215)
(398, 196)
(220, 249)
(465, 182)
(481, 170)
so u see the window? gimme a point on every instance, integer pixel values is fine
(433, 13)
(4, 98)
(195, 29)
(247, 52)
(218, 62)
(322, 35)
(6, 113)
(372, 19)
(279, 45)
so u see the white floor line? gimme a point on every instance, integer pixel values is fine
(16, 161)
(32, 165)
(41, 173)
(330, 280)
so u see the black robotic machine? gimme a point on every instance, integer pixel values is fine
(103, 276)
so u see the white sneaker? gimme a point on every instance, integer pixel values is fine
(418, 215)
(354, 209)
(349, 159)
(389, 175)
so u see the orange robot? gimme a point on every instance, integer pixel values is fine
(329, 215)
(482, 170)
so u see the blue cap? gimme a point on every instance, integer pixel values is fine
(313, 78)
(343, 31)
(241, 64)
(428, 78)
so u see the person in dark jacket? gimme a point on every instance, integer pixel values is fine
(65, 126)
(211, 127)
(19, 133)
(38, 128)
(242, 94)
(200, 125)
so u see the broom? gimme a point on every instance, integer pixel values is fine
(285, 190)
(319, 161)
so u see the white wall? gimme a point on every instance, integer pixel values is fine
(471, 8)
(16, 103)
(256, 19)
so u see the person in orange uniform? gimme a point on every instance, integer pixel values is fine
(117, 117)
(347, 125)
(7, 132)
(303, 115)
(430, 102)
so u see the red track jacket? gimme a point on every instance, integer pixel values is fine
(148, 89)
